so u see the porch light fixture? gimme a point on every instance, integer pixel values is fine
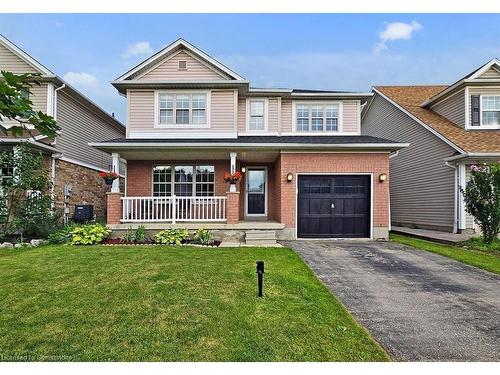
(289, 177)
(382, 177)
(243, 169)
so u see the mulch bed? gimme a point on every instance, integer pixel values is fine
(120, 241)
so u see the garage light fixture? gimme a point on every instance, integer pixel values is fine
(289, 177)
(382, 177)
(243, 169)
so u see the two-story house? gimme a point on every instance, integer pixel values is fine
(307, 170)
(449, 128)
(72, 164)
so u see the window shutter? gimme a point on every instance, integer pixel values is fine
(475, 110)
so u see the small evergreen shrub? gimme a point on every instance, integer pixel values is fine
(203, 237)
(89, 234)
(171, 236)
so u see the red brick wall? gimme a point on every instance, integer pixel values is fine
(88, 187)
(375, 163)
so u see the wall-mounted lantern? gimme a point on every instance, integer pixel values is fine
(243, 169)
(382, 177)
(289, 177)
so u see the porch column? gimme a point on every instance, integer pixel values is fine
(114, 207)
(233, 207)
(115, 188)
(232, 155)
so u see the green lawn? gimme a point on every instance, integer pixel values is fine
(160, 303)
(472, 254)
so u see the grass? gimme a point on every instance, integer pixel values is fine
(474, 252)
(159, 303)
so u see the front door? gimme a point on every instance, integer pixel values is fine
(256, 191)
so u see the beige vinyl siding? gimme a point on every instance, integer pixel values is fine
(350, 116)
(422, 186)
(141, 113)
(491, 73)
(38, 95)
(480, 91)
(79, 126)
(286, 116)
(141, 110)
(242, 115)
(222, 110)
(9, 61)
(168, 70)
(453, 108)
(272, 115)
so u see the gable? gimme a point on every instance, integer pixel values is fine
(196, 69)
(13, 63)
(492, 73)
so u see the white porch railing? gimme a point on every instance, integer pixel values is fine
(173, 209)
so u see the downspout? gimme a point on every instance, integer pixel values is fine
(54, 156)
(455, 204)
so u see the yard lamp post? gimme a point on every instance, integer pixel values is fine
(260, 275)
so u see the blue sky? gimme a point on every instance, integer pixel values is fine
(323, 51)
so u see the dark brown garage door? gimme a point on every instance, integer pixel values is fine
(333, 206)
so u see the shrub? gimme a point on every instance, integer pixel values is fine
(138, 235)
(62, 235)
(203, 237)
(171, 236)
(89, 234)
(482, 199)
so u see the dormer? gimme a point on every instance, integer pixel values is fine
(473, 102)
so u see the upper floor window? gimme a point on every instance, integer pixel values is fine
(182, 108)
(256, 114)
(490, 110)
(317, 117)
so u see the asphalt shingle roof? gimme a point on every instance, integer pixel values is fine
(411, 98)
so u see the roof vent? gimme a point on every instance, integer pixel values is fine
(182, 65)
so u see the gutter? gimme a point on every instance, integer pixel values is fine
(250, 145)
(473, 155)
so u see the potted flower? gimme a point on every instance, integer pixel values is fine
(232, 178)
(109, 177)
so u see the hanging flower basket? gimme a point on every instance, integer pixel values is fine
(232, 178)
(109, 177)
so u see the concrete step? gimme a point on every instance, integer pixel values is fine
(260, 238)
(260, 234)
(260, 243)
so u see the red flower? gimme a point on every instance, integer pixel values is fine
(232, 177)
(108, 175)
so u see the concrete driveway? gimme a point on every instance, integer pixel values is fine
(419, 306)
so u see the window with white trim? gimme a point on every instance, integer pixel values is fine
(182, 109)
(317, 117)
(256, 115)
(490, 110)
(184, 180)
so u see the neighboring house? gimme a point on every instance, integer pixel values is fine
(307, 170)
(72, 164)
(449, 128)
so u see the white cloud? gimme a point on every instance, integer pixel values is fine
(396, 31)
(81, 80)
(137, 49)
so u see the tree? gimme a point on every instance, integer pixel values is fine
(25, 202)
(16, 106)
(482, 199)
